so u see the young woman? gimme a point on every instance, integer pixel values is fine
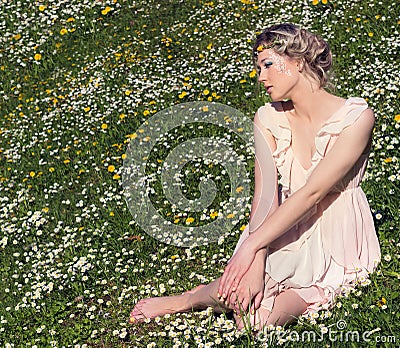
(318, 238)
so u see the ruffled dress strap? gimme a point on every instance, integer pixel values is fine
(344, 117)
(273, 118)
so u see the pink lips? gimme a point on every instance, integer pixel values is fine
(268, 88)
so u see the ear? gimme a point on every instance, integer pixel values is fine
(300, 65)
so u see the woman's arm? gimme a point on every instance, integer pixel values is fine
(265, 201)
(349, 146)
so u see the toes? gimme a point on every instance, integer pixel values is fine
(137, 310)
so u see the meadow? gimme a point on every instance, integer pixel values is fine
(78, 79)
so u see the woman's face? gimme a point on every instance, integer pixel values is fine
(277, 73)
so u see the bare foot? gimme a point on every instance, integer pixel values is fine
(159, 306)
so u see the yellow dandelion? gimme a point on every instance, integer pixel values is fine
(146, 112)
(189, 220)
(32, 174)
(42, 8)
(116, 177)
(206, 92)
(111, 168)
(176, 221)
(104, 126)
(370, 34)
(17, 37)
(242, 227)
(37, 56)
(66, 161)
(204, 108)
(63, 31)
(123, 156)
(46, 209)
(51, 169)
(209, 46)
(214, 214)
(387, 160)
(70, 19)
(106, 10)
(315, 2)
(87, 109)
(324, 1)
(358, 19)
(397, 118)
(239, 189)
(112, 213)
(253, 73)
(182, 95)
(381, 302)
(128, 92)
(230, 216)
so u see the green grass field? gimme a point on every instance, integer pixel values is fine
(78, 78)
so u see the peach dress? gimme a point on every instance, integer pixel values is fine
(335, 243)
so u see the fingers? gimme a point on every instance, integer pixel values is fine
(257, 300)
(226, 283)
(244, 302)
(239, 301)
(233, 301)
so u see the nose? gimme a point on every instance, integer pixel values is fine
(262, 75)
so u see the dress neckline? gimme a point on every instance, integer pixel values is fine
(328, 120)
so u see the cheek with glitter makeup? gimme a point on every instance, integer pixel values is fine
(279, 64)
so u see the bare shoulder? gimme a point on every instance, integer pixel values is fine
(368, 115)
(271, 111)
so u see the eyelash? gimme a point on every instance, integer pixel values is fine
(266, 66)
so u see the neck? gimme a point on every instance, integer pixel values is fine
(309, 101)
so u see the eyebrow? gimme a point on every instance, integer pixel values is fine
(267, 58)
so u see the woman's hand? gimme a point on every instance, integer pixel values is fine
(250, 290)
(235, 270)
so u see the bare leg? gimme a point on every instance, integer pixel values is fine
(287, 307)
(199, 298)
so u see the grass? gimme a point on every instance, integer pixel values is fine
(78, 79)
